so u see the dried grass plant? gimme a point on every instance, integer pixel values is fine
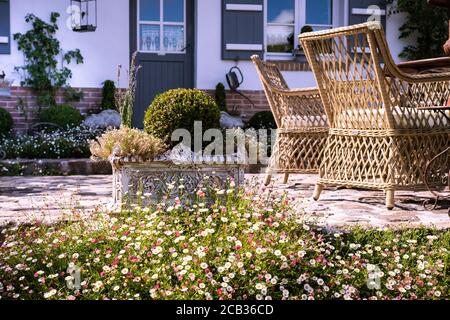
(126, 142)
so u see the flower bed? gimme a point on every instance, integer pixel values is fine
(245, 246)
(70, 143)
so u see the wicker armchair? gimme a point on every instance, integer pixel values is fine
(379, 138)
(301, 120)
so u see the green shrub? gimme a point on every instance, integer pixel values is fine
(6, 122)
(262, 120)
(179, 109)
(109, 95)
(65, 116)
(221, 97)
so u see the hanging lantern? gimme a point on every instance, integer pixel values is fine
(83, 15)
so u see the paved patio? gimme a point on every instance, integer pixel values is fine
(50, 198)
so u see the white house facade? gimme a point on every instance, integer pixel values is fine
(184, 43)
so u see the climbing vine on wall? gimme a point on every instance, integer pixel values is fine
(42, 70)
(429, 23)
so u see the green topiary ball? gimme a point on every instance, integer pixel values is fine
(6, 122)
(262, 120)
(65, 116)
(179, 109)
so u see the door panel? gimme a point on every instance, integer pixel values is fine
(166, 49)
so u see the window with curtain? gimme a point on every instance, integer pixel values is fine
(162, 26)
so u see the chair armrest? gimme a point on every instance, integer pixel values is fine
(397, 72)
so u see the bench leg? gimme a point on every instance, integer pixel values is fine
(286, 178)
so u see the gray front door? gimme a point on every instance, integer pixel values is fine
(162, 31)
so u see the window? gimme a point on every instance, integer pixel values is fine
(280, 25)
(319, 14)
(162, 26)
(286, 18)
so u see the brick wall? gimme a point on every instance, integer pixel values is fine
(241, 105)
(22, 104)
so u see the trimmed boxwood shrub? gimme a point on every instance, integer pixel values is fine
(109, 95)
(179, 109)
(65, 116)
(262, 120)
(221, 97)
(6, 122)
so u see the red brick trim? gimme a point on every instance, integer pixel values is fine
(22, 104)
(23, 118)
(238, 104)
(289, 65)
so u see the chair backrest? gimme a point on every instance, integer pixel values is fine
(290, 109)
(347, 64)
(270, 77)
(361, 86)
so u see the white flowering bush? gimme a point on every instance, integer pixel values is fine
(246, 246)
(70, 143)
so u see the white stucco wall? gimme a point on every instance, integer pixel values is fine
(108, 47)
(211, 69)
(103, 50)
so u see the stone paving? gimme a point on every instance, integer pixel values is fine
(49, 198)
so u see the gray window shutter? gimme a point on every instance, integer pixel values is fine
(242, 29)
(359, 14)
(5, 37)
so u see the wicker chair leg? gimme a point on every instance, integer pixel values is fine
(390, 202)
(286, 178)
(317, 192)
(268, 179)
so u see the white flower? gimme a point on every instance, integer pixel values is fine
(125, 271)
(49, 294)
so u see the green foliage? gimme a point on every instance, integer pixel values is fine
(221, 97)
(41, 50)
(306, 28)
(71, 143)
(108, 95)
(72, 95)
(262, 120)
(125, 99)
(6, 122)
(428, 22)
(214, 244)
(179, 109)
(65, 116)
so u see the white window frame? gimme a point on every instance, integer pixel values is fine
(299, 22)
(161, 24)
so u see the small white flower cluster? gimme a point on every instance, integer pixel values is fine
(70, 143)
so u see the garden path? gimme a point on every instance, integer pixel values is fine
(50, 198)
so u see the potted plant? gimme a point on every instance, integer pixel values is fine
(146, 171)
(299, 54)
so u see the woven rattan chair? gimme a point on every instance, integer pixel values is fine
(301, 120)
(379, 137)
